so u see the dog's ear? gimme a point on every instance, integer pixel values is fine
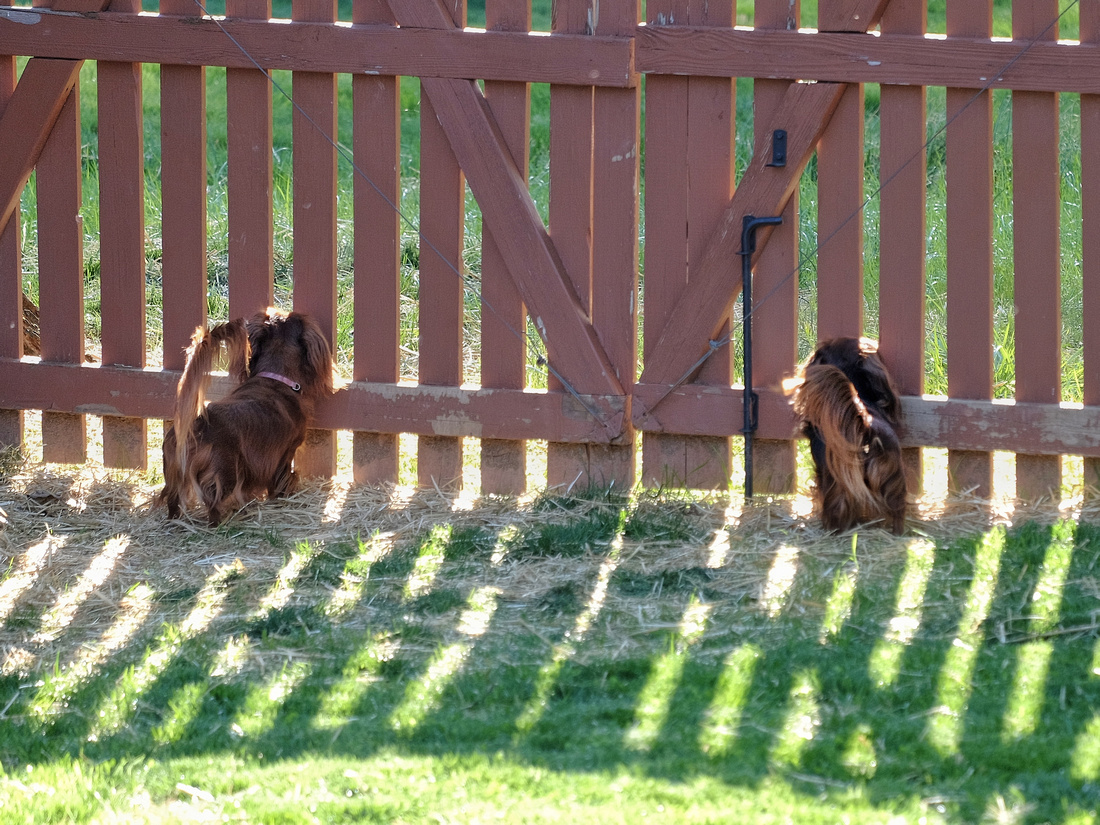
(885, 394)
(318, 354)
(260, 328)
(239, 349)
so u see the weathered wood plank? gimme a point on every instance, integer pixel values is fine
(503, 318)
(376, 140)
(356, 49)
(964, 61)
(570, 214)
(1037, 193)
(122, 244)
(29, 115)
(663, 456)
(970, 247)
(363, 406)
(61, 271)
(840, 220)
(314, 157)
(775, 278)
(183, 200)
(902, 223)
(615, 211)
(764, 190)
(1090, 240)
(250, 180)
(695, 163)
(11, 279)
(927, 421)
(442, 270)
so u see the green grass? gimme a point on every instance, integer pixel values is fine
(449, 673)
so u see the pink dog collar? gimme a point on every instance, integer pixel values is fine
(294, 385)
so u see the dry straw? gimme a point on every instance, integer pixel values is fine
(86, 558)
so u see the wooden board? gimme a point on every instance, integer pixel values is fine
(122, 244)
(1090, 239)
(864, 58)
(314, 157)
(450, 412)
(1037, 193)
(970, 248)
(376, 141)
(183, 200)
(250, 184)
(959, 425)
(503, 318)
(360, 49)
(61, 272)
(903, 165)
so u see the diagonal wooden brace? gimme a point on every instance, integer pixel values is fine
(28, 119)
(511, 216)
(763, 191)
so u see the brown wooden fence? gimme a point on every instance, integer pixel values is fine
(577, 281)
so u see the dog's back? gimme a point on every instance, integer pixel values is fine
(181, 440)
(850, 410)
(241, 447)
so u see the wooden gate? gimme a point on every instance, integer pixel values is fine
(576, 275)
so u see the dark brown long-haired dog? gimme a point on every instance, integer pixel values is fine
(241, 447)
(850, 412)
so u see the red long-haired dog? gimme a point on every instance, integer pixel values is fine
(239, 448)
(850, 411)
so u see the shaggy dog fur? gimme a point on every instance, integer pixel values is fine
(242, 447)
(850, 412)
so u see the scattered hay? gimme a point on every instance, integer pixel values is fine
(86, 558)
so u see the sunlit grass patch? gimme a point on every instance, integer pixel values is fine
(786, 673)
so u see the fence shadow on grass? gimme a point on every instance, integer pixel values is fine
(588, 635)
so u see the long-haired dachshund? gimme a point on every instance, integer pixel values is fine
(850, 412)
(241, 447)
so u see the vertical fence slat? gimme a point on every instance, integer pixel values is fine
(1036, 186)
(503, 349)
(970, 247)
(122, 242)
(11, 281)
(616, 121)
(775, 277)
(903, 169)
(377, 192)
(183, 200)
(840, 200)
(250, 184)
(693, 119)
(666, 146)
(442, 216)
(711, 125)
(314, 132)
(571, 127)
(1090, 240)
(61, 273)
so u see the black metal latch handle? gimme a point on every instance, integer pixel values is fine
(749, 225)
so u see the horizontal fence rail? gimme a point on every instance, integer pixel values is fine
(910, 232)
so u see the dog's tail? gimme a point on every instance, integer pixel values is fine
(828, 401)
(195, 381)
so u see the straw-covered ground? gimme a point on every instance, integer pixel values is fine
(89, 563)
